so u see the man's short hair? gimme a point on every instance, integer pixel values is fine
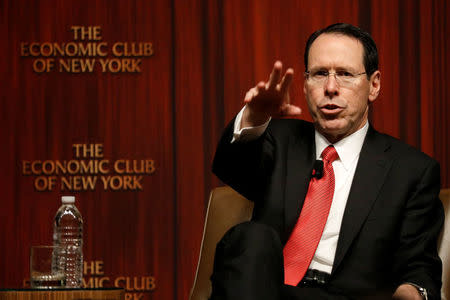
(370, 58)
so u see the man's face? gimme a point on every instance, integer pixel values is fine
(339, 110)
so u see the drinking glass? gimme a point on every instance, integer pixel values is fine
(46, 269)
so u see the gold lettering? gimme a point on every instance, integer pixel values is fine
(32, 51)
(132, 49)
(43, 65)
(125, 166)
(64, 65)
(148, 49)
(102, 280)
(39, 65)
(34, 167)
(43, 183)
(88, 266)
(104, 63)
(127, 183)
(61, 168)
(40, 184)
(47, 52)
(76, 65)
(98, 150)
(135, 65)
(26, 170)
(65, 184)
(126, 67)
(87, 167)
(150, 283)
(115, 183)
(59, 49)
(89, 182)
(85, 49)
(122, 182)
(101, 52)
(96, 32)
(71, 49)
(75, 30)
(77, 148)
(138, 285)
(118, 280)
(95, 267)
(48, 167)
(102, 168)
(88, 150)
(117, 166)
(137, 185)
(24, 49)
(149, 166)
(89, 283)
(87, 65)
(95, 282)
(115, 49)
(99, 267)
(114, 65)
(76, 183)
(73, 167)
(86, 33)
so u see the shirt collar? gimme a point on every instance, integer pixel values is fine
(348, 148)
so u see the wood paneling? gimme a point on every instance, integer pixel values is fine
(130, 114)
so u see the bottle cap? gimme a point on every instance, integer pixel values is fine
(68, 199)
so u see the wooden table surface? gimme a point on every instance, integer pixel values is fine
(66, 294)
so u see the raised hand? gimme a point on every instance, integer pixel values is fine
(270, 99)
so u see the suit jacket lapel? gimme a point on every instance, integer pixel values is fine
(300, 160)
(370, 173)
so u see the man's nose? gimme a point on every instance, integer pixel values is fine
(331, 86)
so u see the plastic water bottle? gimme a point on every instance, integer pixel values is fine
(68, 235)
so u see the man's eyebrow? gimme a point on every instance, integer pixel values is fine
(338, 68)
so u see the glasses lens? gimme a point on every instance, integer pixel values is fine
(343, 78)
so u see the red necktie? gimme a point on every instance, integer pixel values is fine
(302, 244)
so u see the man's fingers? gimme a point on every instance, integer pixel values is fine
(253, 92)
(274, 76)
(260, 86)
(293, 110)
(249, 96)
(289, 110)
(275, 90)
(286, 81)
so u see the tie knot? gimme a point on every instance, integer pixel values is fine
(329, 154)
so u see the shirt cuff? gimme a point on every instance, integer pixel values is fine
(247, 134)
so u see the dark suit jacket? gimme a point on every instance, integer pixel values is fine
(393, 214)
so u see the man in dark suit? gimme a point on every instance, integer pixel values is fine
(378, 239)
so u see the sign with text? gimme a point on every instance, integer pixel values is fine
(87, 170)
(86, 53)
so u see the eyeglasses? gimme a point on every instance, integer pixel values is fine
(343, 78)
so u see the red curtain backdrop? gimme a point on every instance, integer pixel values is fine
(207, 55)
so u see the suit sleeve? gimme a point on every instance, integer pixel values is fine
(245, 166)
(417, 260)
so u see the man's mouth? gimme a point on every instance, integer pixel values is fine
(330, 109)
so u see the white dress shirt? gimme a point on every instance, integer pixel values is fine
(344, 167)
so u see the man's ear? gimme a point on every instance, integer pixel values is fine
(375, 85)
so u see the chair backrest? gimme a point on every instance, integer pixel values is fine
(226, 208)
(444, 245)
